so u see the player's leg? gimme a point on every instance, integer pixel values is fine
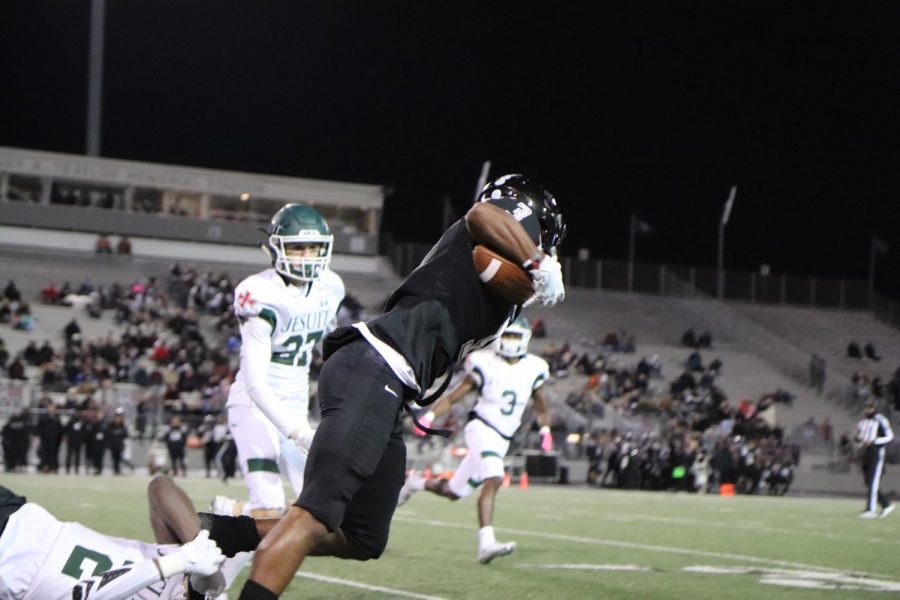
(486, 501)
(292, 460)
(491, 448)
(465, 478)
(868, 476)
(364, 530)
(175, 521)
(257, 445)
(172, 513)
(882, 499)
(359, 398)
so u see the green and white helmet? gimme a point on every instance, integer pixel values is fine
(299, 225)
(513, 342)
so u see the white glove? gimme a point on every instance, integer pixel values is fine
(201, 555)
(302, 438)
(547, 281)
(211, 586)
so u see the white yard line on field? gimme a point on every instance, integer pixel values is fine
(365, 586)
(586, 567)
(746, 526)
(743, 525)
(800, 528)
(641, 546)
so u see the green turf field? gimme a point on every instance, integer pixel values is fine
(573, 543)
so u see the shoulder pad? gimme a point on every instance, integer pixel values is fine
(477, 359)
(256, 293)
(332, 280)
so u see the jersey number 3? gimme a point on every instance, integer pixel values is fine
(509, 408)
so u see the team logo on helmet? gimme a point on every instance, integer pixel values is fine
(531, 196)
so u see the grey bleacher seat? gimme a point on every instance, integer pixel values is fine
(34, 268)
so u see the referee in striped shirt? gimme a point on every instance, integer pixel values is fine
(873, 433)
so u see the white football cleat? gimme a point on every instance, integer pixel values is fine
(414, 482)
(868, 514)
(886, 511)
(492, 551)
(222, 505)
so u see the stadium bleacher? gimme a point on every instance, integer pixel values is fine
(763, 347)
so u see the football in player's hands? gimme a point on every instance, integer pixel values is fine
(502, 276)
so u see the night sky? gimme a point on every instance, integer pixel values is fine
(648, 107)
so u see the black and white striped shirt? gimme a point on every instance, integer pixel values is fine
(874, 430)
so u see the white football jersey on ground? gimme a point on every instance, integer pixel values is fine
(503, 388)
(42, 558)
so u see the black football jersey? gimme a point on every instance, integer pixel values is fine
(442, 311)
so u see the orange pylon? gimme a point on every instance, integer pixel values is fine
(523, 480)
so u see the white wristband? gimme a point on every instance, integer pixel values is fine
(533, 262)
(171, 564)
(544, 429)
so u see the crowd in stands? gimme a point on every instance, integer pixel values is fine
(868, 351)
(690, 339)
(176, 342)
(103, 245)
(863, 388)
(14, 311)
(701, 440)
(691, 462)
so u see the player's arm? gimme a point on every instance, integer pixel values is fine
(453, 396)
(541, 408)
(542, 412)
(443, 404)
(256, 338)
(491, 225)
(200, 556)
(332, 324)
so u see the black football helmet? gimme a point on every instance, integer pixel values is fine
(539, 200)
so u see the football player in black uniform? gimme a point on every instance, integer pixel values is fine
(440, 313)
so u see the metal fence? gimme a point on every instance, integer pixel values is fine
(747, 286)
(679, 280)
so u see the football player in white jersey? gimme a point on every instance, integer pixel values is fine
(42, 558)
(283, 312)
(505, 376)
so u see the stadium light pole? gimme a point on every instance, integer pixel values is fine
(482, 179)
(876, 247)
(726, 213)
(631, 253)
(95, 78)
